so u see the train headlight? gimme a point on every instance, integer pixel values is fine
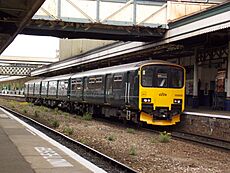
(177, 101)
(146, 100)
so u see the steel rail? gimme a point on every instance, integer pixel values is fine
(202, 140)
(219, 143)
(101, 160)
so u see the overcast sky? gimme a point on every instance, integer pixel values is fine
(33, 46)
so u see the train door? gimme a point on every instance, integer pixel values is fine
(127, 88)
(108, 88)
(85, 88)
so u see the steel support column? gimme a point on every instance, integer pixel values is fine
(227, 85)
(195, 99)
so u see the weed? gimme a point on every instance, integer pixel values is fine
(111, 137)
(68, 130)
(87, 116)
(132, 151)
(130, 130)
(83, 141)
(164, 137)
(30, 104)
(56, 110)
(55, 123)
(24, 111)
(36, 113)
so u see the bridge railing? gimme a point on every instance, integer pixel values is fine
(117, 12)
(113, 12)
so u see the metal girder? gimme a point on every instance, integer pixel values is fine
(212, 54)
(63, 29)
(16, 70)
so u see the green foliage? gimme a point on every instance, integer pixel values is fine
(164, 137)
(44, 109)
(132, 151)
(24, 111)
(56, 110)
(87, 116)
(31, 104)
(111, 137)
(55, 123)
(68, 130)
(36, 113)
(83, 141)
(130, 130)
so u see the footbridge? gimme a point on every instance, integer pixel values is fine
(131, 20)
(22, 66)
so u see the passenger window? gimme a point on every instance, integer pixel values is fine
(117, 81)
(99, 80)
(95, 82)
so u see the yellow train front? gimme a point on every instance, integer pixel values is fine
(161, 93)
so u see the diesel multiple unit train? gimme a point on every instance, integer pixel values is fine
(148, 91)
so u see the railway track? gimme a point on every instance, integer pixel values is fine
(202, 140)
(218, 143)
(106, 163)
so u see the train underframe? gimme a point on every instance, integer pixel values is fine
(125, 113)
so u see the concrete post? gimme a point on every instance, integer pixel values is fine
(134, 12)
(195, 99)
(98, 11)
(227, 85)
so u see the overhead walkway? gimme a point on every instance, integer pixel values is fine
(132, 20)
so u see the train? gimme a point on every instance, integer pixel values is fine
(151, 92)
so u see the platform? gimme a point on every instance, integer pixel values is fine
(206, 111)
(24, 149)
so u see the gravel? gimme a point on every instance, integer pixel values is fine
(140, 150)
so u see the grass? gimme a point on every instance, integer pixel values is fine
(132, 151)
(87, 116)
(24, 111)
(55, 123)
(130, 130)
(36, 113)
(164, 137)
(111, 137)
(68, 130)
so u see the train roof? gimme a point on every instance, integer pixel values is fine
(119, 68)
(102, 71)
(34, 81)
(61, 77)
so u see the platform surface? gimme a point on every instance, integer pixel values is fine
(22, 150)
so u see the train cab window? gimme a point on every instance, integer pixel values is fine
(147, 77)
(162, 76)
(177, 78)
